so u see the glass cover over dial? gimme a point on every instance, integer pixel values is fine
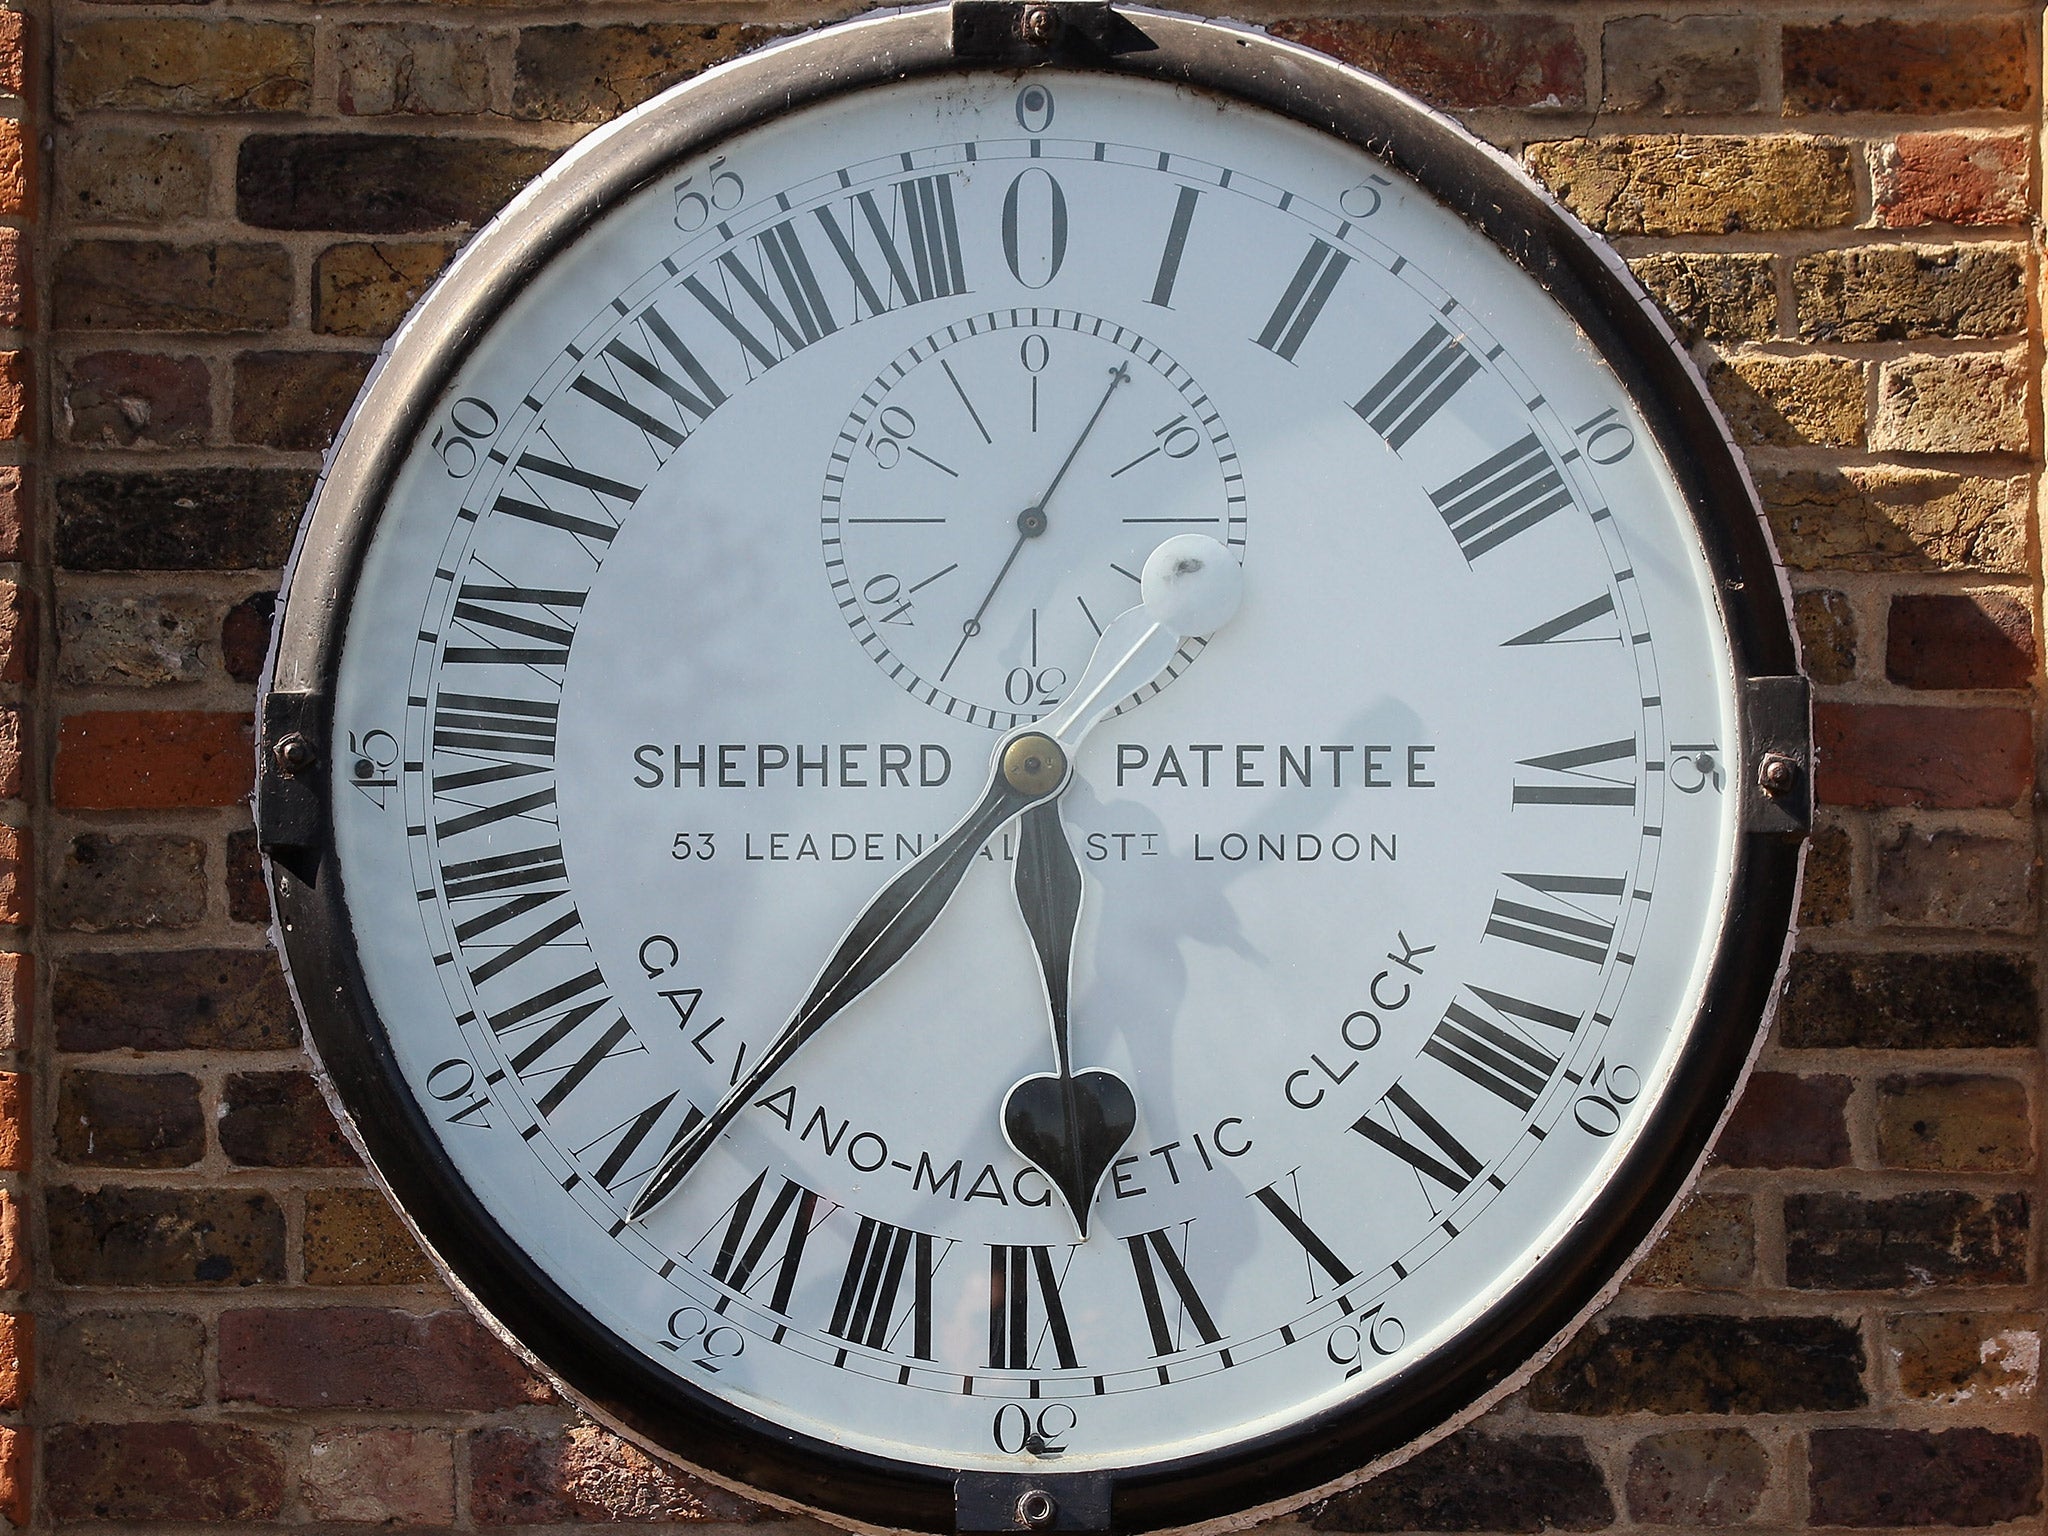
(1395, 909)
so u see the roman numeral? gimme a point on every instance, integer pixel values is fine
(515, 884)
(1319, 1252)
(449, 786)
(1013, 1274)
(1302, 303)
(1417, 386)
(527, 872)
(1153, 1257)
(1506, 1062)
(1176, 246)
(874, 1277)
(746, 1241)
(688, 403)
(583, 998)
(1578, 787)
(1572, 933)
(541, 636)
(931, 233)
(1446, 1160)
(633, 1133)
(1563, 630)
(495, 724)
(1508, 494)
(519, 627)
(799, 316)
(534, 506)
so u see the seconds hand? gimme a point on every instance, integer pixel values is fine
(1031, 521)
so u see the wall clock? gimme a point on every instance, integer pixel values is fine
(1033, 767)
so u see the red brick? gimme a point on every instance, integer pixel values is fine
(154, 285)
(14, 1265)
(1784, 1120)
(17, 285)
(1902, 66)
(172, 1000)
(17, 1481)
(245, 636)
(403, 1477)
(17, 633)
(368, 1357)
(163, 1472)
(1942, 877)
(1459, 61)
(17, 178)
(1889, 1477)
(248, 896)
(155, 1237)
(117, 760)
(1909, 1242)
(136, 399)
(15, 418)
(17, 1358)
(120, 1363)
(279, 1120)
(17, 877)
(1697, 1477)
(129, 1119)
(10, 756)
(1472, 1481)
(1877, 755)
(14, 36)
(1953, 178)
(11, 780)
(128, 883)
(17, 496)
(585, 1473)
(14, 1121)
(1960, 640)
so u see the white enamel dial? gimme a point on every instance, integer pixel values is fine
(1398, 903)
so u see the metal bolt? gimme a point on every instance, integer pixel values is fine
(293, 754)
(1777, 774)
(1041, 25)
(1034, 764)
(1037, 1509)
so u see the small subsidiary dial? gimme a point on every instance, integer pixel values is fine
(994, 492)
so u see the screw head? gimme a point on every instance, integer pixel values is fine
(1037, 1509)
(293, 754)
(1041, 25)
(1034, 764)
(1777, 774)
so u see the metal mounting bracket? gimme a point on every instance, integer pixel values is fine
(288, 775)
(1777, 733)
(1027, 32)
(1010, 1501)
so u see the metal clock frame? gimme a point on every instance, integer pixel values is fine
(1770, 767)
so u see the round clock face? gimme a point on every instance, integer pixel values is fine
(689, 616)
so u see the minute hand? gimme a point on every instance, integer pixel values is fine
(1190, 587)
(898, 916)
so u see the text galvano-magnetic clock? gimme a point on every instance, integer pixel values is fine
(1032, 767)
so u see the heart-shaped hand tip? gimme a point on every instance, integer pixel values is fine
(1071, 1130)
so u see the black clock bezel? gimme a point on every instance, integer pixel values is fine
(316, 936)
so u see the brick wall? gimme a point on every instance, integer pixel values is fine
(239, 197)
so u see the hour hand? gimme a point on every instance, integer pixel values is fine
(1068, 1125)
(1027, 768)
